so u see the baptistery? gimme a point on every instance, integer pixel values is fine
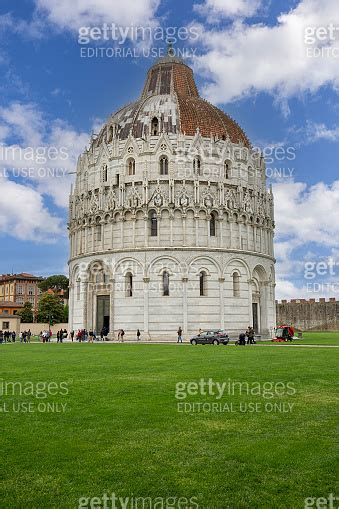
(170, 220)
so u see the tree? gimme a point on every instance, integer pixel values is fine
(50, 309)
(26, 313)
(55, 283)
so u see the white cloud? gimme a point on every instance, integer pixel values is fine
(71, 15)
(306, 219)
(23, 214)
(214, 9)
(46, 149)
(319, 131)
(242, 60)
(306, 214)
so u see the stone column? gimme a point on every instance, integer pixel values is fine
(85, 301)
(71, 307)
(111, 310)
(196, 222)
(112, 233)
(222, 302)
(184, 305)
(250, 310)
(121, 231)
(159, 228)
(102, 225)
(146, 308)
(263, 307)
(86, 238)
(220, 230)
(231, 220)
(146, 230)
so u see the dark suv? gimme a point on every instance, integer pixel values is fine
(210, 337)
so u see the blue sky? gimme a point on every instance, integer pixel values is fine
(250, 58)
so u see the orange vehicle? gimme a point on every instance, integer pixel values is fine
(283, 333)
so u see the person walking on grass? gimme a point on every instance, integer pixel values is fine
(179, 335)
(138, 335)
(122, 335)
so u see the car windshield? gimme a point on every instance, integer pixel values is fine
(280, 333)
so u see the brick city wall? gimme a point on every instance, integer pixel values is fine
(309, 314)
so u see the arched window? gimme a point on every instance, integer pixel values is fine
(202, 281)
(197, 166)
(131, 166)
(163, 165)
(98, 232)
(154, 223)
(105, 173)
(212, 225)
(165, 284)
(236, 284)
(227, 170)
(155, 127)
(129, 284)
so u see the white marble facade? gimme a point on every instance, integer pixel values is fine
(168, 229)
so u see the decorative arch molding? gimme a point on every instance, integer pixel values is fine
(259, 270)
(128, 265)
(165, 266)
(242, 264)
(200, 262)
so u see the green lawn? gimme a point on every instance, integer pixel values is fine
(122, 433)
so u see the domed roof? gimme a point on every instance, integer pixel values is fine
(171, 95)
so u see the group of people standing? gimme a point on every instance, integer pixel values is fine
(7, 336)
(249, 334)
(61, 334)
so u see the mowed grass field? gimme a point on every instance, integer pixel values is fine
(121, 431)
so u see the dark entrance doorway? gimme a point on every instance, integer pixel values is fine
(103, 304)
(255, 317)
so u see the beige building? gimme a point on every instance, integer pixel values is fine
(170, 220)
(10, 323)
(20, 288)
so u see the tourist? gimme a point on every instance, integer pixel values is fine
(29, 334)
(138, 335)
(13, 336)
(242, 338)
(179, 335)
(90, 336)
(122, 335)
(58, 337)
(102, 333)
(1, 336)
(72, 335)
(250, 335)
